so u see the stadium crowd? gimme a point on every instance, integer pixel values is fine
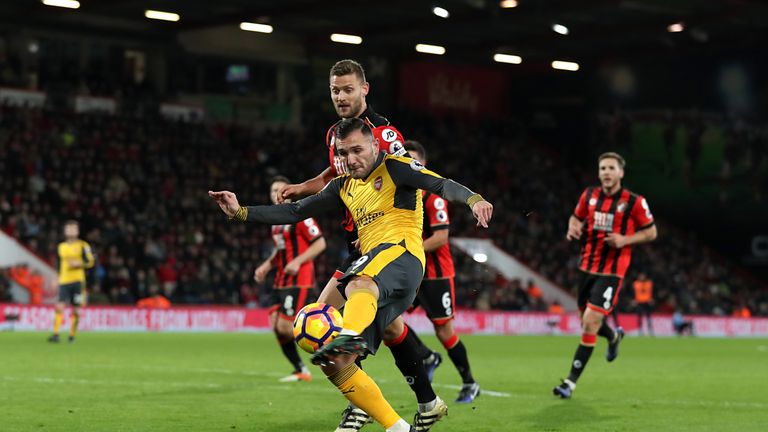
(138, 186)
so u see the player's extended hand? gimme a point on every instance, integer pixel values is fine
(289, 191)
(483, 212)
(226, 200)
(356, 244)
(292, 267)
(574, 231)
(614, 240)
(260, 273)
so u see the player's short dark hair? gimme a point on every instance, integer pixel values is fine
(279, 178)
(411, 145)
(71, 222)
(346, 126)
(613, 155)
(346, 67)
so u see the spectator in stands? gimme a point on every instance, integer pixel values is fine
(134, 183)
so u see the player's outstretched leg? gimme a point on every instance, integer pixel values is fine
(431, 359)
(470, 389)
(353, 419)
(613, 345)
(613, 337)
(337, 359)
(404, 344)
(591, 322)
(363, 392)
(57, 318)
(283, 329)
(73, 326)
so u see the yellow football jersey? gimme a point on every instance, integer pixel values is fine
(386, 206)
(78, 251)
(383, 211)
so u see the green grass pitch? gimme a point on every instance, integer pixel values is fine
(228, 382)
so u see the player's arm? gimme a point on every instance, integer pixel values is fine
(575, 228)
(576, 221)
(438, 239)
(436, 212)
(316, 248)
(309, 187)
(310, 232)
(291, 213)
(406, 171)
(645, 235)
(264, 268)
(88, 260)
(646, 231)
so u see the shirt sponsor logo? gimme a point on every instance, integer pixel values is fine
(603, 221)
(388, 135)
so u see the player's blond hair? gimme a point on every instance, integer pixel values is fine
(613, 155)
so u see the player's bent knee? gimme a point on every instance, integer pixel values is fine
(362, 283)
(444, 331)
(394, 330)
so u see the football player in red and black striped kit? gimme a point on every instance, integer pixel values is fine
(437, 295)
(608, 220)
(296, 246)
(348, 91)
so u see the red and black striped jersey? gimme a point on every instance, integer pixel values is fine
(624, 213)
(439, 261)
(390, 141)
(291, 241)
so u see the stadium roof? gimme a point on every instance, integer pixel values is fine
(474, 30)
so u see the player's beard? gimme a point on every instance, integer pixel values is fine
(352, 109)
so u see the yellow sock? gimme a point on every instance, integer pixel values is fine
(359, 311)
(362, 391)
(75, 322)
(56, 322)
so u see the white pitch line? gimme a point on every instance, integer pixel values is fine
(52, 380)
(289, 386)
(483, 391)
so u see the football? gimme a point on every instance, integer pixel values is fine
(315, 325)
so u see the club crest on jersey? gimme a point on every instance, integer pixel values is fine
(592, 202)
(416, 165)
(377, 183)
(620, 208)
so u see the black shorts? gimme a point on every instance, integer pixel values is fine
(73, 293)
(288, 301)
(397, 274)
(438, 299)
(599, 292)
